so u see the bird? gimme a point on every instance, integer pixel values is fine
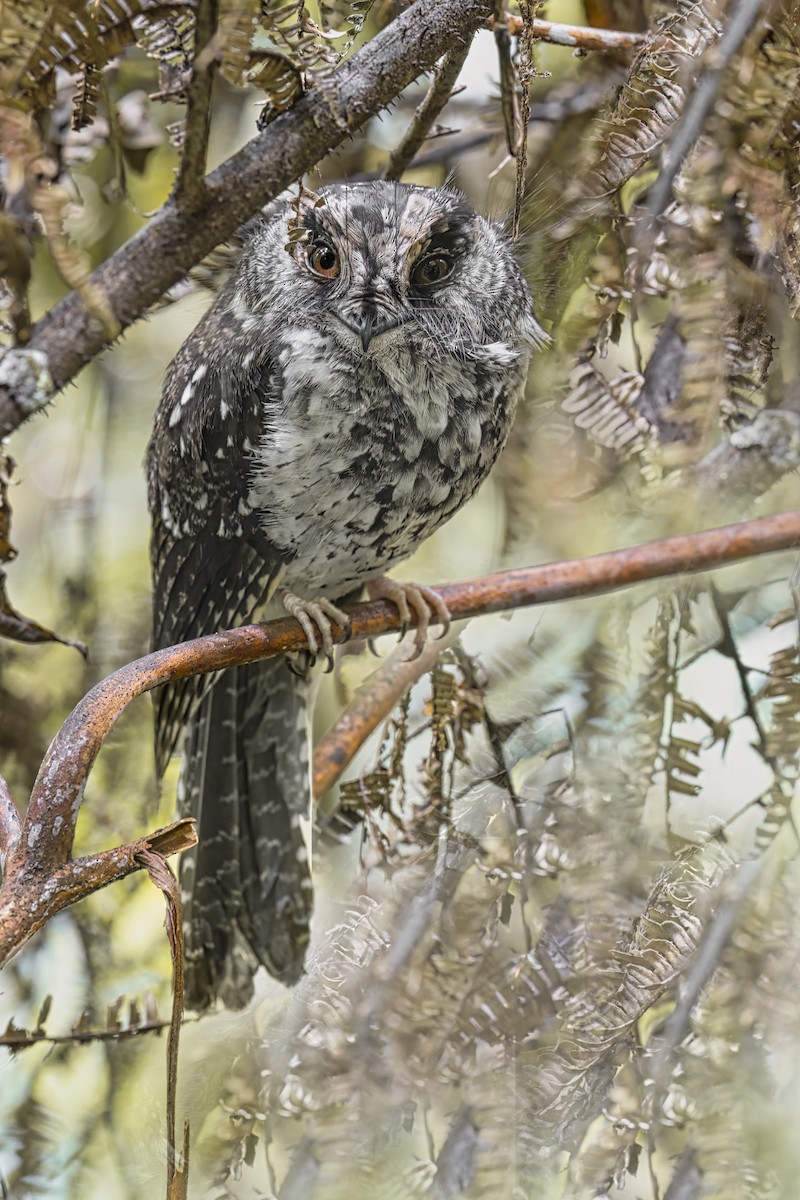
(346, 392)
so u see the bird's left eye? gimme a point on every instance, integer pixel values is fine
(323, 260)
(432, 270)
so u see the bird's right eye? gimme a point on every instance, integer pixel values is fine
(323, 261)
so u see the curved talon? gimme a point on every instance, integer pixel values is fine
(316, 618)
(440, 609)
(346, 624)
(300, 662)
(426, 603)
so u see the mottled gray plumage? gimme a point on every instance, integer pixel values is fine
(348, 390)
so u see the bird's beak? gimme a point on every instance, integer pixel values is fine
(367, 325)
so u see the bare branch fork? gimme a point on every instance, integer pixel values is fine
(40, 878)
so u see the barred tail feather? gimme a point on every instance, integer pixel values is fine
(246, 886)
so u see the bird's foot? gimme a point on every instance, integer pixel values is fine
(316, 618)
(426, 604)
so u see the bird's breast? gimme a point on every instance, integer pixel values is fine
(357, 465)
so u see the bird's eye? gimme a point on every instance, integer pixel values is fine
(323, 260)
(432, 270)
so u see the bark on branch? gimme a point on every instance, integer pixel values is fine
(35, 887)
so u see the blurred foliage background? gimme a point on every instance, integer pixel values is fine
(556, 945)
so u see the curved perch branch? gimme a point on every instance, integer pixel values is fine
(40, 878)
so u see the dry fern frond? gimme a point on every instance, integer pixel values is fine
(238, 20)
(72, 39)
(783, 689)
(652, 98)
(570, 1080)
(21, 25)
(169, 39)
(84, 108)
(279, 79)
(776, 805)
(291, 30)
(607, 409)
(749, 349)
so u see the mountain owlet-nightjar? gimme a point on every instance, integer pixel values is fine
(346, 393)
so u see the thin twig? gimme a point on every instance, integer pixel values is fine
(159, 871)
(437, 96)
(579, 37)
(525, 74)
(22, 1039)
(687, 1179)
(744, 14)
(585, 99)
(714, 940)
(189, 188)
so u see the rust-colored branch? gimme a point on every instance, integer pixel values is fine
(580, 37)
(40, 879)
(371, 704)
(377, 696)
(56, 795)
(34, 890)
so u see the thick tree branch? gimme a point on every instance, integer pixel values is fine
(173, 241)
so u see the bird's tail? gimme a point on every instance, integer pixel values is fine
(246, 886)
